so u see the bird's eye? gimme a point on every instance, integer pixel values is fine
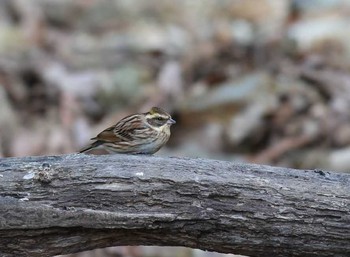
(159, 118)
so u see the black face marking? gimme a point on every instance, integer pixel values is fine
(157, 121)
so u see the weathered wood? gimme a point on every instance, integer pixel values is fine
(65, 204)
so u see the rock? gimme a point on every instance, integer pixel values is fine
(339, 160)
(248, 123)
(319, 6)
(79, 84)
(231, 95)
(268, 18)
(310, 33)
(242, 32)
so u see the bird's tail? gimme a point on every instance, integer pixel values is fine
(90, 147)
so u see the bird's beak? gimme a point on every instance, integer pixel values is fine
(171, 121)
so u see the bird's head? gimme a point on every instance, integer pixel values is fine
(158, 118)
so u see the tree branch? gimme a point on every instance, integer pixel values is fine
(65, 204)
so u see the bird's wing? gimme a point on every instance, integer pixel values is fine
(124, 131)
(106, 135)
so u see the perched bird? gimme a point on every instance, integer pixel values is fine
(143, 133)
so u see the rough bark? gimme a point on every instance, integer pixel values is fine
(65, 204)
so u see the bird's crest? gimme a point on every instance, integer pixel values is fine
(158, 110)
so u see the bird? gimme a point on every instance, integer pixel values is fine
(140, 133)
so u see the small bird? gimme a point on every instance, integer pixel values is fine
(142, 133)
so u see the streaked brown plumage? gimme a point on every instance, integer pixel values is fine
(143, 133)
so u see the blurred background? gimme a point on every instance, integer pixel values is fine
(249, 81)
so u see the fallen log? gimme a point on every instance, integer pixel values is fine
(64, 204)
